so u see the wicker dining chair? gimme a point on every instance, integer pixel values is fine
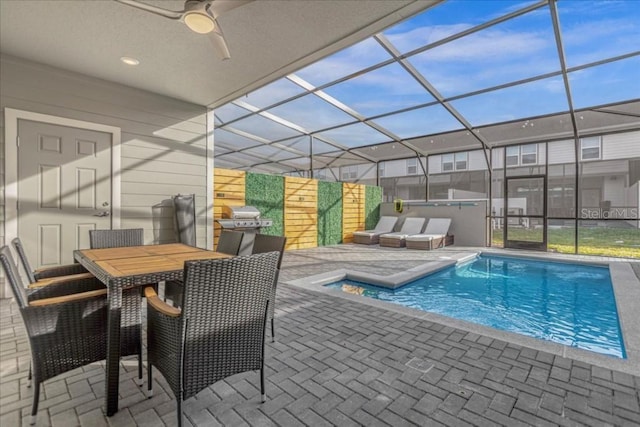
(228, 243)
(58, 272)
(99, 239)
(65, 323)
(265, 243)
(220, 329)
(131, 317)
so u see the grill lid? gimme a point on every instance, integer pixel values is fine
(240, 212)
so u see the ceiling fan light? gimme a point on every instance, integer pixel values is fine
(199, 22)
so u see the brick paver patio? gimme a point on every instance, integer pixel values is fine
(336, 362)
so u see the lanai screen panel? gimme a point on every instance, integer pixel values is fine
(459, 76)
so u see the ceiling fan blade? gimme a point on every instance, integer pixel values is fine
(171, 14)
(219, 44)
(220, 7)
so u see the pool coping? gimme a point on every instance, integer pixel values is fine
(626, 288)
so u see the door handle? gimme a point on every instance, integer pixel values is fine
(103, 213)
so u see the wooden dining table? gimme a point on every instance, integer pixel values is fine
(129, 267)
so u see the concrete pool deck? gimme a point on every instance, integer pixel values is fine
(626, 287)
(342, 362)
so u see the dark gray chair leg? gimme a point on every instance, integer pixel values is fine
(263, 394)
(36, 397)
(149, 381)
(273, 331)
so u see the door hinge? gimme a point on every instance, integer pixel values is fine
(17, 141)
(17, 205)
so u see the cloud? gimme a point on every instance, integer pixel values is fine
(422, 36)
(350, 60)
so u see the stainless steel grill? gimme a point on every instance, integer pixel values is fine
(243, 218)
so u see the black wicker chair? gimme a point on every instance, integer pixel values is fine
(48, 272)
(265, 243)
(99, 239)
(229, 242)
(220, 329)
(65, 323)
(131, 320)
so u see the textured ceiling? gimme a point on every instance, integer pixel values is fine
(267, 40)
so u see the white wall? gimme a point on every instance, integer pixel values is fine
(468, 220)
(562, 152)
(621, 145)
(164, 150)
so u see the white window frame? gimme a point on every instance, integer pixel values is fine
(448, 163)
(349, 172)
(592, 139)
(461, 157)
(381, 167)
(414, 165)
(523, 153)
(516, 155)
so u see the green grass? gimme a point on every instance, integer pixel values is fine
(614, 242)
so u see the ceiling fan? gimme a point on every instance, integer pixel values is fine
(199, 15)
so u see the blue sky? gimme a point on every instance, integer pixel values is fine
(520, 48)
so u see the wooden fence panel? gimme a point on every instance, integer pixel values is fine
(301, 212)
(228, 190)
(352, 210)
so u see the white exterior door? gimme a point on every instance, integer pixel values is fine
(64, 189)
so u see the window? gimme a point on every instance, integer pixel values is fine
(457, 161)
(513, 156)
(522, 155)
(320, 174)
(412, 166)
(529, 154)
(381, 169)
(461, 161)
(590, 148)
(349, 172)
(447, 162)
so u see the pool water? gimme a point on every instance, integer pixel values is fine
(569, 304)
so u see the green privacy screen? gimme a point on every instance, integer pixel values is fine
(266, 193)
(372, 200)
(329, 213)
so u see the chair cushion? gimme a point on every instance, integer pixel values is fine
(397, 235)
(367, 233)
(412, 226)
(424, 237)
(385, 224)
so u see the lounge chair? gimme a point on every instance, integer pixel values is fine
(397, 239)
(434, 235)
(371, 237)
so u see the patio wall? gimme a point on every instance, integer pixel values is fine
(163, 139)
(309, 212)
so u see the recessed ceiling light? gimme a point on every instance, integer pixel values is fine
(129, 60)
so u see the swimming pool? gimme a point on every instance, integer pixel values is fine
(571, 304)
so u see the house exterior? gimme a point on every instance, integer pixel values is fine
(608, 169)
(163, 148)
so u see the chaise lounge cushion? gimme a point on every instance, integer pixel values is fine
(433, 235)
(397, 239)
(371, 237)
